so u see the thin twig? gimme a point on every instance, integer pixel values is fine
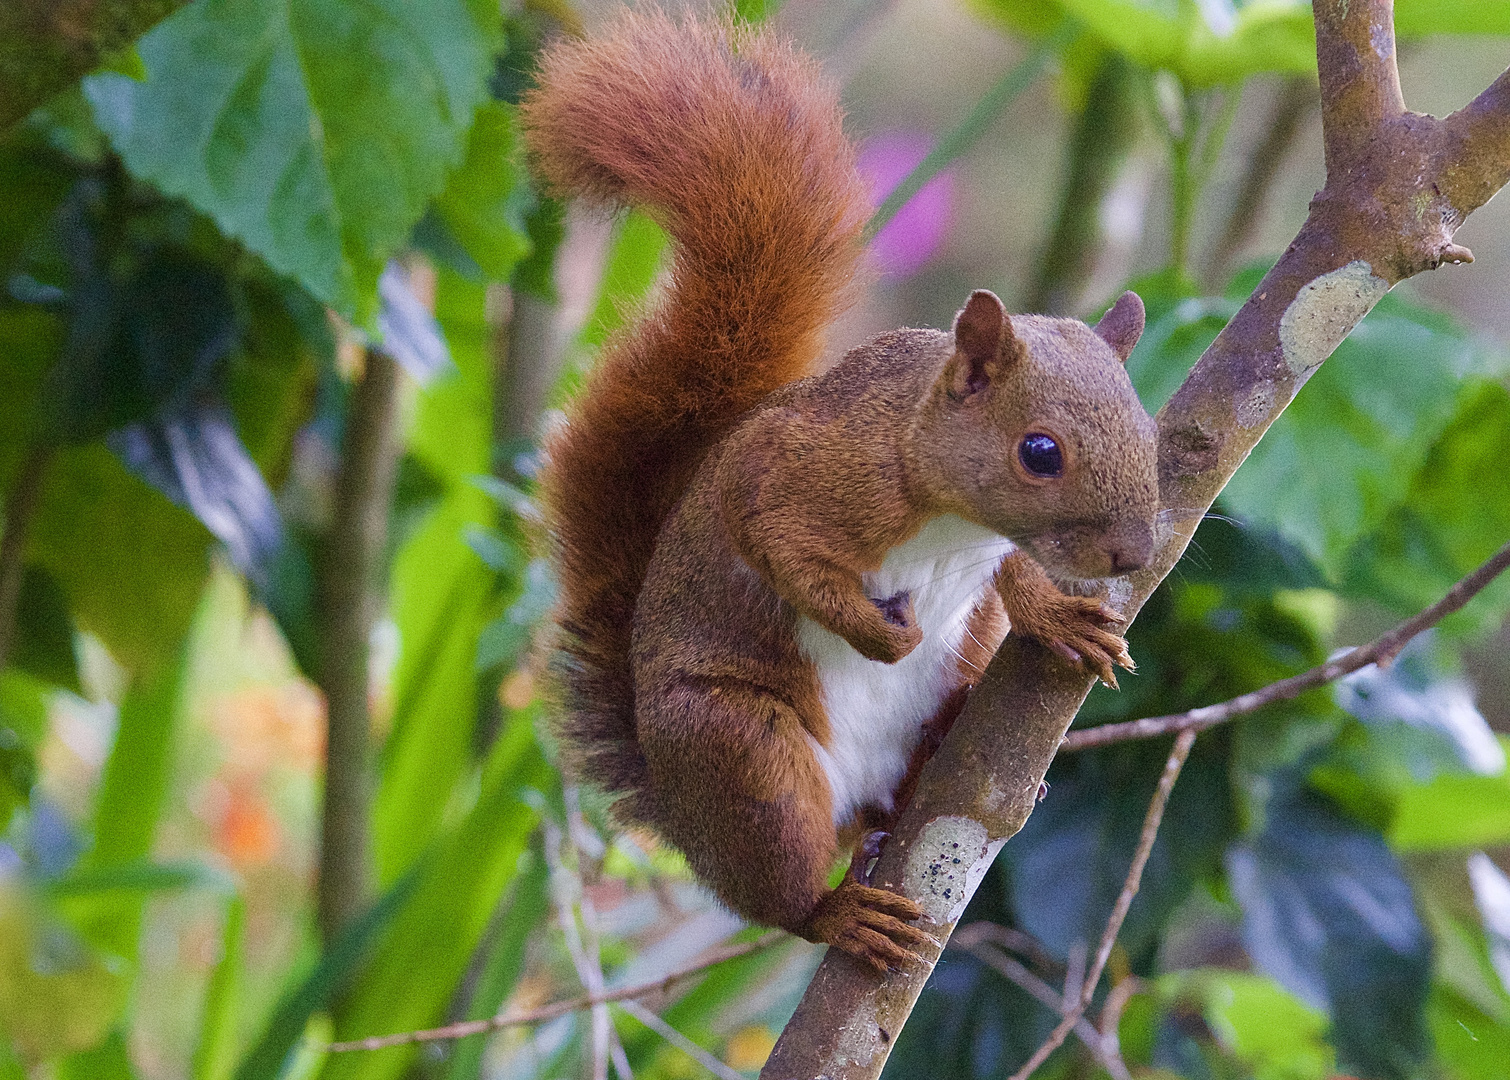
(1155, 814)
(560, 1008)
(1382, 650)
(1014, 971)
(19, 510)
(1111, 1012)
(680, 1041)
(1007, 937)
(568, 890)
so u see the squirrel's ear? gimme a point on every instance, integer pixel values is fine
(1122, 326)
(982, 343)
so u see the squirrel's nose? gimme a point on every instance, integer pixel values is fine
(1130, 548)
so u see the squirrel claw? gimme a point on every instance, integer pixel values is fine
(870, 924)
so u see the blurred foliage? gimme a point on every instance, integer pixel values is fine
(191, 249)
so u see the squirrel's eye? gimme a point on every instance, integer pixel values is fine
(1040, 455)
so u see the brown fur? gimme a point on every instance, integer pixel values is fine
(703, 501)
(736, 145)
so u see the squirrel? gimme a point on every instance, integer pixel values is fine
(777, 586)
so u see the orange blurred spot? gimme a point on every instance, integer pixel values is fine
(748, 1048)
(263, 726)
(518, 690)
(246, 831)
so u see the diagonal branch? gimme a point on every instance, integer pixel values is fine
(1398, 185)
(556, 1009)
(1483, 128)
(1380, 651)
(678, 1040)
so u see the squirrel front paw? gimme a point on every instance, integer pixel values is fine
(896, 635)
(1075, 627)
(870, 924)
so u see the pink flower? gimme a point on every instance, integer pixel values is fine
(917, 230)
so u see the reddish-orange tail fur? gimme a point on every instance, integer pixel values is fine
(734, 143)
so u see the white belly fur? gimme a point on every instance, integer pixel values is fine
(875, 710)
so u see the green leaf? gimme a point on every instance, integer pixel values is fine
(1420, 18)
(1470, 1043)
(632, 266)
(1201, 50)
(140, 876)
(130, 801)
(1453, 811)
(441, 594)
(1252, 1017)
(108, 1061)
(415, 972)
(477, 202)
(1082, 837)
(1370, 415)
(130, 562)
(30, 339)
(1328, 913)
(315, 131)
(285, 1030)
(57, 995)
(1456, 515)
(44, 631)
(215, 1051)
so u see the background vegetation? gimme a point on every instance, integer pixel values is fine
(283, 317)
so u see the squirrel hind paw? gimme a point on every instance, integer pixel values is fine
(870, 924)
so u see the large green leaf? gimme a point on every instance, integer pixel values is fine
(1345, 452)
(316, 131)
(1457, 513)
(441, 593)
(215, 1052)
(130, 562)
(477, 204)
(57, 995)
(1213, 44)
(529, 903)
(1328, 913)
(1453, 811)
(29, 340)
(1471, 1044)
(1202, 49)
(1418, 18)
(1251, 1017)
(420, 963)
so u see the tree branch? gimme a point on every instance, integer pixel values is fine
(1384, 215)
(46, 44)
(561, 1008)
(345, 588)
(678, 1040)
(1381, 651)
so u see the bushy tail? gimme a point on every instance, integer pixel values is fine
(734, 143)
